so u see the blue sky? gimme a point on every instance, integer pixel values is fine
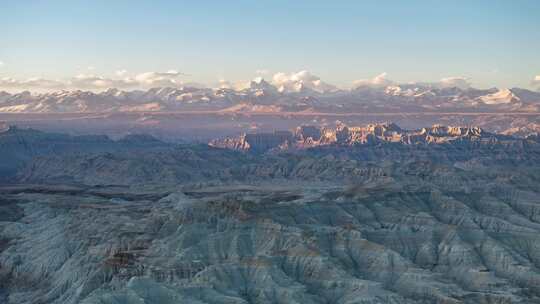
(493, 43)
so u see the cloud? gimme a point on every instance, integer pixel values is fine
(381, 81)
(262, 72)
(375, 82)
(121, 73)
(294, 82)
(30, 83)
(225, 84)
(536, 82)
(160, 79)
(92, 82)
(455, 82)
(233, 85)
(97, 82)
(1, 63)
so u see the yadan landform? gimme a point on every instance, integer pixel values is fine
(270, 152)
(344, 214)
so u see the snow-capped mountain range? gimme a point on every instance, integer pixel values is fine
(287, 96)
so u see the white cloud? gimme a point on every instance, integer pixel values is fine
(30, 83)
(1, 63)
(457, 82)
(381, 81)
(121, 73)
(262, 72)
(225, 84)
(159, 79)
(294, 82)
(97, 82)
(91, 82)
(536, 82)
(376, 82)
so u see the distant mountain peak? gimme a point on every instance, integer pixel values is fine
(290, 94)
(502, 96)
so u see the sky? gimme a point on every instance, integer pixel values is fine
(487, 43)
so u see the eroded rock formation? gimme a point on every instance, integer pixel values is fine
(313, 136)
(440, 222)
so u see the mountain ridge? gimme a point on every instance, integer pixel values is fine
(294, 98)
(315, 153)
(310, 136)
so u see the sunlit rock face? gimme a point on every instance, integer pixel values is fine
(342, 135)
(392, 222)
(256, 142)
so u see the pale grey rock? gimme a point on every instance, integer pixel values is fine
(403, 241)
(387, 223)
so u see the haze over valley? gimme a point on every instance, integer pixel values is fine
(197, 113)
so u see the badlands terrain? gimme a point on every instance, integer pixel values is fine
(311, 214)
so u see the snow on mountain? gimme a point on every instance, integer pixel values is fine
(301, 82)
(502, 96)
(379, 81)
(260, 88)
(399, 91)
(288, 92)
